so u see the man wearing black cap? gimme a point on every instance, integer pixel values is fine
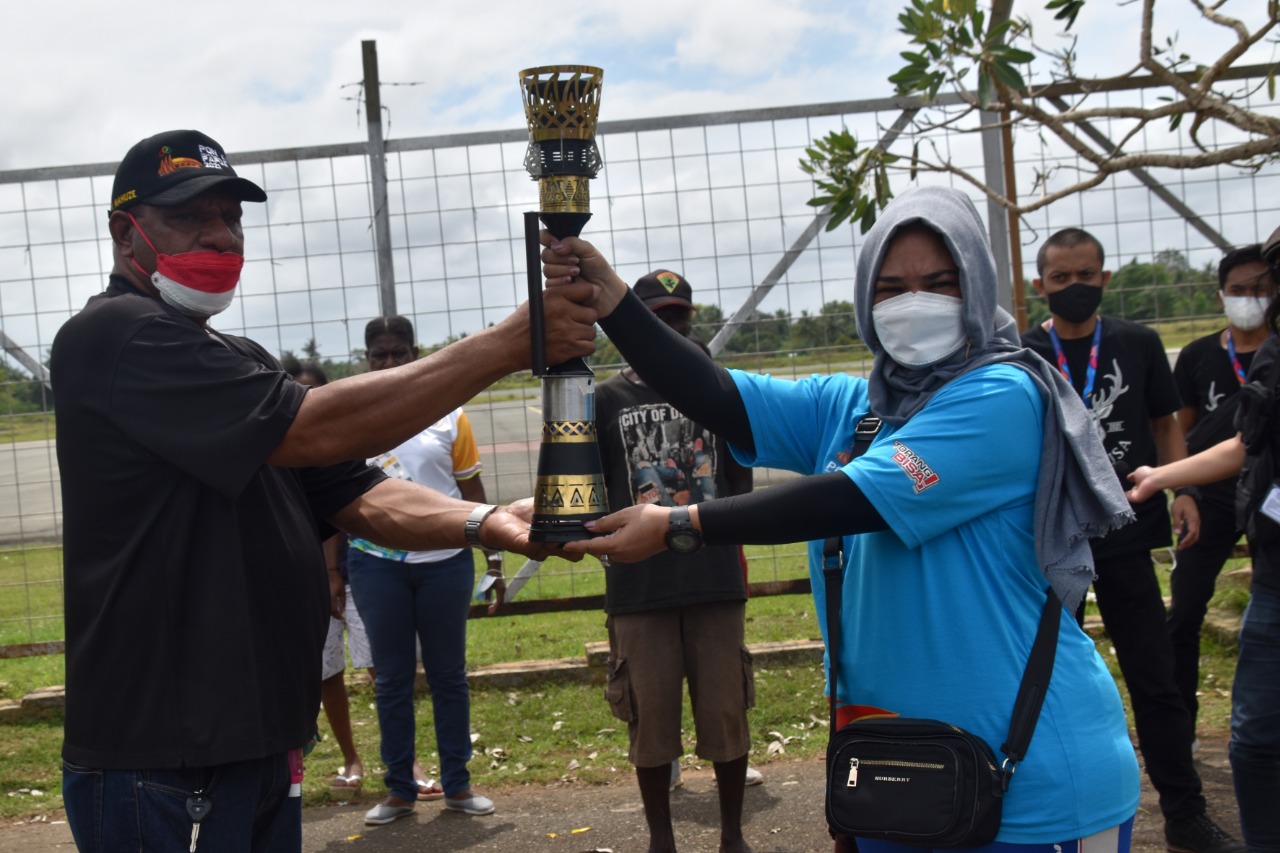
(198, 481)
(658, 607)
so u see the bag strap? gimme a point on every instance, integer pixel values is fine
(833, 563)
(1035, 677)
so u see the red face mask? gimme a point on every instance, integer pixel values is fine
(200, 283)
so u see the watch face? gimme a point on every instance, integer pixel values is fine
(684, 543)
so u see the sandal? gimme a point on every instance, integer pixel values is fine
(429, 789)
(342, 780)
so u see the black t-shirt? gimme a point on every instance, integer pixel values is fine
(1133, 386)
(1207, 380)
(1264, 533)
(653, 454)
(195, 590)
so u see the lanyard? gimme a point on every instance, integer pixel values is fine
(1092, 373)
(1235, 362)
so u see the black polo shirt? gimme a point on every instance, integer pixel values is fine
(195, 590)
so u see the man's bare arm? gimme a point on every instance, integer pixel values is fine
(398, 514)
(362, 416)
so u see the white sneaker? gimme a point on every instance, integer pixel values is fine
(677, 780)
(754, 776)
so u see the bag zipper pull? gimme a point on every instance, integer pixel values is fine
(853, 773)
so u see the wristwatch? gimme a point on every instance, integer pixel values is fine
(681, 535)
(472, 529)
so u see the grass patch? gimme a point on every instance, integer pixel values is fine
(554, 732)
(35, 426)
(30, 594)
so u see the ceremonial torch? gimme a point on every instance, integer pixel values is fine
(561, 104)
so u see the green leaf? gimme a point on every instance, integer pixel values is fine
(915, 159)
(1008, 75)
(986, 89)
(1271, 80)
(868, 218)
(882, 185)
(1067, 10)
(1174, 121)
(999, 31)
(1014, 54)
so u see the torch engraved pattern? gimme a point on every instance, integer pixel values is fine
(562, 104)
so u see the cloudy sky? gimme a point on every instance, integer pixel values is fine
(88, 79)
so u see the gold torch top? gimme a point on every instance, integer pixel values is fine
(561, 101)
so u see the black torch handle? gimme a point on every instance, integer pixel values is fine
(537, 322)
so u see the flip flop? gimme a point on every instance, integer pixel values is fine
(342, 780)
(429, 789)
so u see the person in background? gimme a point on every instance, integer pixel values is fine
(405, 595)
(951, 548)
(346, 631)
(1120, 370)
(658, 607)
(198, 483)
(1253, 453)
(1209, 374)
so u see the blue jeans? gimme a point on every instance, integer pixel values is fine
(397, 602)
(111, 810)
(1255, 723)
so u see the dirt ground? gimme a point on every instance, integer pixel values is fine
(784, 815)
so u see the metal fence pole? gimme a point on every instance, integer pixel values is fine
(378, 180)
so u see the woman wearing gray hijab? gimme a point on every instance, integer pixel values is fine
(974, 502)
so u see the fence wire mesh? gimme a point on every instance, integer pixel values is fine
(719, 197)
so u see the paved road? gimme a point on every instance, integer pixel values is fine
(30, 497)
(784, 816)
(507, 432)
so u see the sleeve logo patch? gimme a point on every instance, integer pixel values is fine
(922, 476)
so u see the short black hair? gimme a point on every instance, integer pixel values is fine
(1251, 254)
(395, 325)
(1068, 238)
(297, 369)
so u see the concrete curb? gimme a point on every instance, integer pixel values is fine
(591, 668)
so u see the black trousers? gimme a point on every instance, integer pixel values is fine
(1195, 572)
(1133, 613)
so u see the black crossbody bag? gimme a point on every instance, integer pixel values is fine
(916, 781)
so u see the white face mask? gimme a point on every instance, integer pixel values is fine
(918, 329)
(1244, 312)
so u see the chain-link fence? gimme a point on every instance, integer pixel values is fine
(719, 197)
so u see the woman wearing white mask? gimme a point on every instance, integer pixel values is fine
(972, 504)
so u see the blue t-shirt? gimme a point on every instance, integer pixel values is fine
(940, 611)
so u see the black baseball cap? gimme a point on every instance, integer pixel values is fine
(175, 166)
(661, 288)
(1271, 248)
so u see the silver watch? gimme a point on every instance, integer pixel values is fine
(472, 529)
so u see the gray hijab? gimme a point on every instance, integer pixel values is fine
(1077, 495)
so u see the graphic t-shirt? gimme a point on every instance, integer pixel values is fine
(1207, 380)
(653, 454)
(1133, 386)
